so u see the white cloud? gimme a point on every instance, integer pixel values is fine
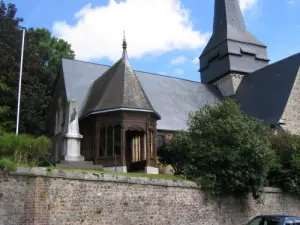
(179, 71)
(152, 27)
(195, 60)
(162, 73)
(247, 4)
(179, 60)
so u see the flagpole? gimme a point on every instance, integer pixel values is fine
(20, 82)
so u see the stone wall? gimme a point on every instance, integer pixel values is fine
(291, 114)
(34, 196)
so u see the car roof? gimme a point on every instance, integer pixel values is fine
(281, 216)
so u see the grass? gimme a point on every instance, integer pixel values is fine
(153, 176)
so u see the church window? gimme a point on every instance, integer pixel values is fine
(110, 140)
(160, 141)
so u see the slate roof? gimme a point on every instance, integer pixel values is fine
(171, 98)
(229, 24)
(231, 48)
(117, 88)
(265, 93)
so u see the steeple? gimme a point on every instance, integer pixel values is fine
(231, 48)
(118, 89)
(124, 46)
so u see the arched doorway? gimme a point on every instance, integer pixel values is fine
(135, 149)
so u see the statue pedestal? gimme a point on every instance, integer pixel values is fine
(73, 137)
(73, 147)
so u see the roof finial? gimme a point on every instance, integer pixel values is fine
(124, 41)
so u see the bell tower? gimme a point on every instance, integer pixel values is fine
(232, 51)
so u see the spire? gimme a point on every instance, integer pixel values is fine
(228, 16)
(229, 24)
(230, 39)
(118, 89)
(124, 46)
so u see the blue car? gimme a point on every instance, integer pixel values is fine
(275, 220)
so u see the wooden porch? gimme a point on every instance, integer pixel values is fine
(120, 139)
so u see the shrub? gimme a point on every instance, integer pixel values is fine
(24, 149)
(287, 174)
(232, 153)
(175, 153)
(7, 165)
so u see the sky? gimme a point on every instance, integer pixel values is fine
(163, 36)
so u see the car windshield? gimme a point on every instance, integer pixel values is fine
(271, 221)
(265, 221)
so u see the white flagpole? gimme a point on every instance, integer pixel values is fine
(20, 82)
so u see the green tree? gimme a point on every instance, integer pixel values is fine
(51, 51)
(232, 153)
(9, 38)
(286, 174)
(176, 152)
(23, 150)
(42, 56)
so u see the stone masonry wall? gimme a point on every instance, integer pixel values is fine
(291, 113)
(34, 196)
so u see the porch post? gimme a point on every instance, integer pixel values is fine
(105, 152)
(97, 139)
(154, 142)
(113, 140)
(139, 152)
(123, 143)
(132, 145)
(145, 147)
(148, 141)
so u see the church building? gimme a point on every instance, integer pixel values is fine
(116, 117)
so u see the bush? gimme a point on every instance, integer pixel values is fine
(176, 152)
(7, 165)
(287, 174)
(232, 153)
(24, 149)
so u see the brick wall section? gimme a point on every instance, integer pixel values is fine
(13, 193)
(81, 198)
(21, 200)
(41, 201)
(29, 200)
(292, 110)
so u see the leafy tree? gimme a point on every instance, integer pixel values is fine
(9, 38)
(42, 55)
(176, 152)
(287, 174)
(232, 153)
(23, 149)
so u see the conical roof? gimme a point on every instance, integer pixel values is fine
(118, 88)
(231, 48)
(229, 25)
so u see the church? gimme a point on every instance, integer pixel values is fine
(116, 117)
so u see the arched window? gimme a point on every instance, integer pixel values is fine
(160, 141)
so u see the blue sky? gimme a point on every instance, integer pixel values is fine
(163, 36)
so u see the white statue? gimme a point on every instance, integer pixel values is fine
(73, 137)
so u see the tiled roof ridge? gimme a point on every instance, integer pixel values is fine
(136, 71)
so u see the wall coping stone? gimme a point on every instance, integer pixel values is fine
(102, 177)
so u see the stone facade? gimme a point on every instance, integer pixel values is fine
(291, 114)
(23, 200)
(34, 196)
(229, 84)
